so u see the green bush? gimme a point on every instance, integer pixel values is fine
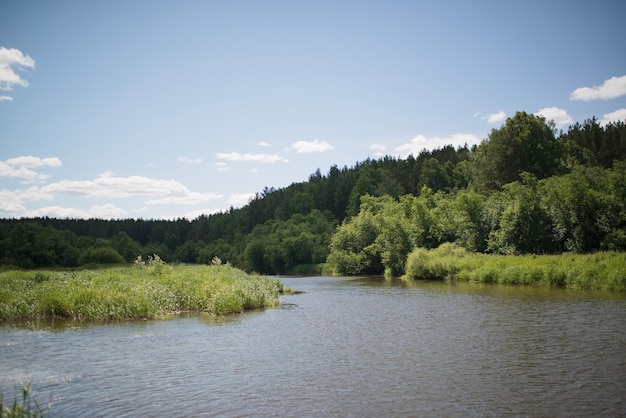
(102, 255)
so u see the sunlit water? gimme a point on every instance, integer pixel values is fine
(345, 347)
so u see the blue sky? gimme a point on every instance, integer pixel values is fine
(167, 109)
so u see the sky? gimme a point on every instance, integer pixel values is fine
(172, 109)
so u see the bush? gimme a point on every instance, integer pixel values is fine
(102, 255)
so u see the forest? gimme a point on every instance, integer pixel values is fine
(526, 189)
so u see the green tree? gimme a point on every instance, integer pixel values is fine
(585, 212)
(125, 245)
(524, 225)
(352, 247)
(525, 143)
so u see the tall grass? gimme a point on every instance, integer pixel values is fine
(605, 270)
(145, 290)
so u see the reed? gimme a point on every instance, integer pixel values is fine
(145, 290)
(604, 270)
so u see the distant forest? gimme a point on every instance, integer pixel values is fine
(526, 189)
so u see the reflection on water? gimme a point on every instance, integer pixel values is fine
(344, 347)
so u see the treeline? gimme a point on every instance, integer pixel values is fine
(526, 189)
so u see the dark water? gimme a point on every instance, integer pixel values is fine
(346, 348)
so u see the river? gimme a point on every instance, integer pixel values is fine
(346, 347)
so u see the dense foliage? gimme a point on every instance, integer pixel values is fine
(525, 189)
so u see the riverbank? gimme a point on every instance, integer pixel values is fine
(602, 270)
(145, 290)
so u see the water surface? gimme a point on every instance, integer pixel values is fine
(346, 347)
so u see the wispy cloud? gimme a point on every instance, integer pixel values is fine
(222, 166)
(12, 59)
(556, 114)
(421, 142)
(259, 158)
(610, 89)
(188, 160)
(618, 115)
(305, 147)
(492, 117)
(263, 144)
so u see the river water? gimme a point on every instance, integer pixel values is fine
(364, 347)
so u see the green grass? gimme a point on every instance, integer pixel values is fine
(603, 270)
(143, 291)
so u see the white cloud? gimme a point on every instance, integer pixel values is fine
(58, 212)
(305, 147)
(558, 115)
(5, 98)
(222, 166)
(10, 60)
(240, 199)
(10, 202)
(492, 117)
(20, 167)
(193, 198)
(379, 149)
(618, 115)
(30, 161)
(610, 89)
(263, 144)
(259, 158)
(187, 160)
(107, 211)
(194, 214)
(107, 185)
(420, 143)
(7, 170)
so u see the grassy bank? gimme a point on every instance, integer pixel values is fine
(605, 270)
(145, 290)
